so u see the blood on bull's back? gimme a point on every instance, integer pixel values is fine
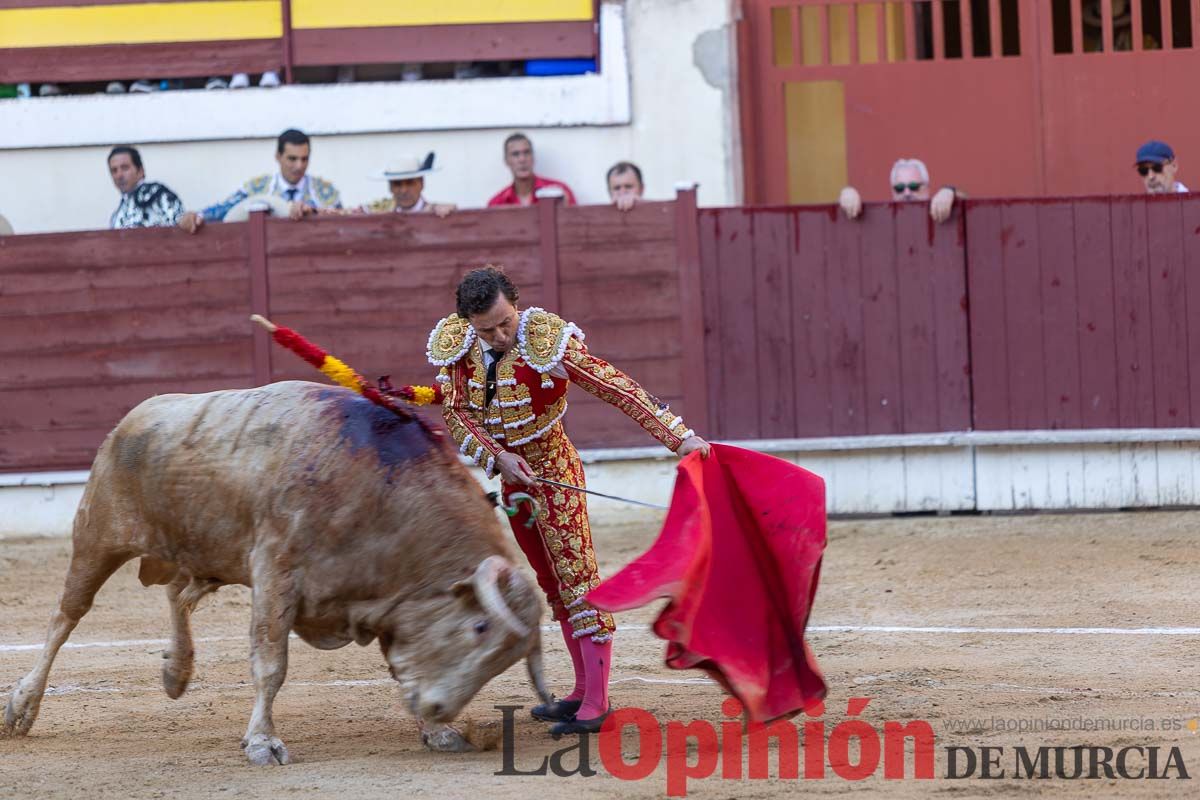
(211, 473)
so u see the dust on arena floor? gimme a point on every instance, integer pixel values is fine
(1000, 632)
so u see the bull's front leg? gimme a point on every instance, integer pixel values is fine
(274, 611)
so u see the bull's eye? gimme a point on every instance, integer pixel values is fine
(481, 627)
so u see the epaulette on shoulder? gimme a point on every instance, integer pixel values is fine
(449, 341)
(325, 189)
(542, 338)
(258, 185)
(381, 206)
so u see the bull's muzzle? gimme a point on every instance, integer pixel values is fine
(432, 708)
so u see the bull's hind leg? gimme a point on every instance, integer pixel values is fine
(87, 573)
(183, 594)
(177, 672)
(271, 622)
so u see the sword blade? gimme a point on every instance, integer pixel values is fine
(601, 494)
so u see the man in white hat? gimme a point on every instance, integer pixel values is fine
(406, 180)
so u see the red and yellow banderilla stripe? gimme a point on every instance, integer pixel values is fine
(343, 374)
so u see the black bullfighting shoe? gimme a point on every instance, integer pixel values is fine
(556, 710)
(576, 725)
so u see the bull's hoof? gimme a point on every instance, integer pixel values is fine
(446, 739)
(20, 713)
(265, 751)
(175, 681)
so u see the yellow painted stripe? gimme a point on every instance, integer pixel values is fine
(140, 23)
(391, 13)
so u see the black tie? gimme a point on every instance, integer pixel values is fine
(490, 390)
(290, 194)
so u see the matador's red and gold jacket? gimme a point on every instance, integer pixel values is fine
(526, 413)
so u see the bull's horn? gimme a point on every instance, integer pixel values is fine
(487, 590)
(533, 660)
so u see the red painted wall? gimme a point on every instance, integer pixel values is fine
(1036, 122)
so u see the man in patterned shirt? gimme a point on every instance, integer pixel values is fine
(504, 375)
(306, 194)
(144, 204)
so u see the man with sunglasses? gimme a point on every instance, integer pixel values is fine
(910, 181)
(1156, 164)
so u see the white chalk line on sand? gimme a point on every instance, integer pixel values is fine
(16, 648)
(249, 687)
(67, 689)
(899, 629)
(1004, 631)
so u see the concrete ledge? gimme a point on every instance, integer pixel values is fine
(974, 439)
(38, 510)
(44, 478)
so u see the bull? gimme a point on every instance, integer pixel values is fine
(348, 522)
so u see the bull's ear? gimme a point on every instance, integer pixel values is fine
(463, 589)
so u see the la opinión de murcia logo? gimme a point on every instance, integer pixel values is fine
(853, 750)
(675, 740)
(1088, 762)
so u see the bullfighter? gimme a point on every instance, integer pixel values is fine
(504, 376)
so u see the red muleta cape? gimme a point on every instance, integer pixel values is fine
(738, 556)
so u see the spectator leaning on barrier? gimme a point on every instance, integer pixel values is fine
(909, 181)
(625, 185)
(406, 180)
(306, 194)
(144, 204)
(1156, 164)
(518, 156)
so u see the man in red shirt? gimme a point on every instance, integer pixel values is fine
(518, 156)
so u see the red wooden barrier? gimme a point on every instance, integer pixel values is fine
(752, 322)
(619, 281)
(819, 325)
(1079, 312)
(370, 289)
(93, 323)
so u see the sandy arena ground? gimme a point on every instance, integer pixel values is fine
(107, 729)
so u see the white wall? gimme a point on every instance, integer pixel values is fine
(665, 101)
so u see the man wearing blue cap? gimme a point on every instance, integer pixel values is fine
(1156, 164)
